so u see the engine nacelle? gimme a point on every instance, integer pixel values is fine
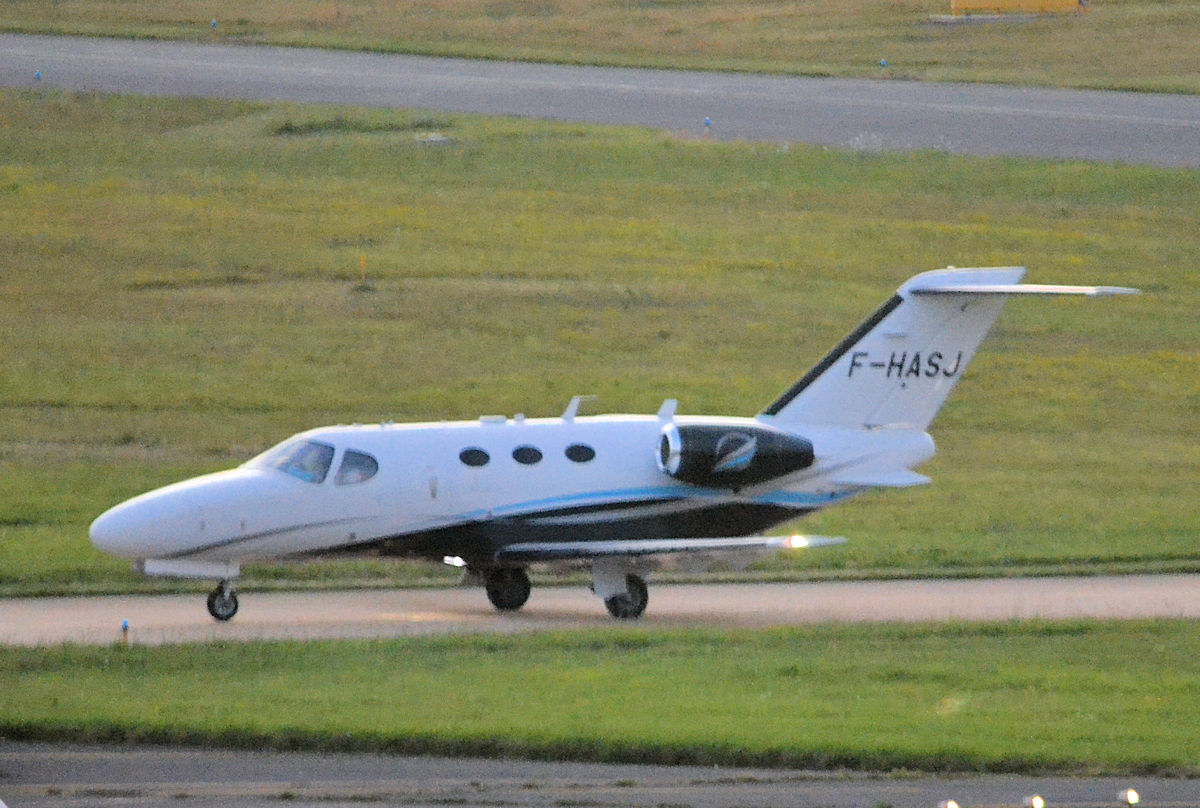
(721, 456)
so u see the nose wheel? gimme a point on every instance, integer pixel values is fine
(222, 602)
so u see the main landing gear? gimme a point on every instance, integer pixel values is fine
(624, 593)
(507, 587)
(223, 602)
(631, 604)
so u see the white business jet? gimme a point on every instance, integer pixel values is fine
(498, 494)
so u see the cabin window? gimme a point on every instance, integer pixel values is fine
(580, 453)
(307, 460)
(357, 467)
(527, 455)
(474, 457)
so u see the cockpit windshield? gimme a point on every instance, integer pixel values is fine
(307, 460)
(311, 460)
(357, 467)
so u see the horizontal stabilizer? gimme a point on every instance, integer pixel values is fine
(1022, 289)
(883, 478)
(529, 552)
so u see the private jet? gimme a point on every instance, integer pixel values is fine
(498, 494)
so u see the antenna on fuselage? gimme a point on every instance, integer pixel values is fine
(573, 407)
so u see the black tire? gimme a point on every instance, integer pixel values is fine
(630, 605)
(507, 588)
(222, 603)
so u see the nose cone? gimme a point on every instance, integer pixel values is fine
(126, 530)
(106, 532)
(171, 520)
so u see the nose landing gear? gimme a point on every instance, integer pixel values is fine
(223, 602)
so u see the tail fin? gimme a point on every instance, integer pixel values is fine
(898, 367)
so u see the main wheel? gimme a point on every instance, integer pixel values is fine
(222, 602)
(630, 605)
(507, 588)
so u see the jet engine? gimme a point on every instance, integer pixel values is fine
(721, 456)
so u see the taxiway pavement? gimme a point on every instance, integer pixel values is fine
(159, 619)
(864, 115)
(73, 776)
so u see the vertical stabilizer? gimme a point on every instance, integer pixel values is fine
(898, 367)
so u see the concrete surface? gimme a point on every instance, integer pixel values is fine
(157, 619)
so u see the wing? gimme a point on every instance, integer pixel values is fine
(529, 552)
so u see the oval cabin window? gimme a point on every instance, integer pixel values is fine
(527, 455)
(580, 453)
(474, 457)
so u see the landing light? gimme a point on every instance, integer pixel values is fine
(1035, 802)
(947, 804)
(1129, 797)
(453, 561)
(797, 542)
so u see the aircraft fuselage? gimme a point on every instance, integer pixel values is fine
(467, 489)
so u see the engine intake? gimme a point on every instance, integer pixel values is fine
(719, 456)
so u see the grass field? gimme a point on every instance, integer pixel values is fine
(1023, 697)
(183, 283)
(188, 282)
(1128, 44)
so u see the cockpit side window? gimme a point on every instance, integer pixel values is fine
(307, 460)
(357, 467)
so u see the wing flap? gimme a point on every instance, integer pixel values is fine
(529, 552)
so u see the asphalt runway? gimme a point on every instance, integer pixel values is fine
(161, 619)
(866, 115)
(72, 776)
